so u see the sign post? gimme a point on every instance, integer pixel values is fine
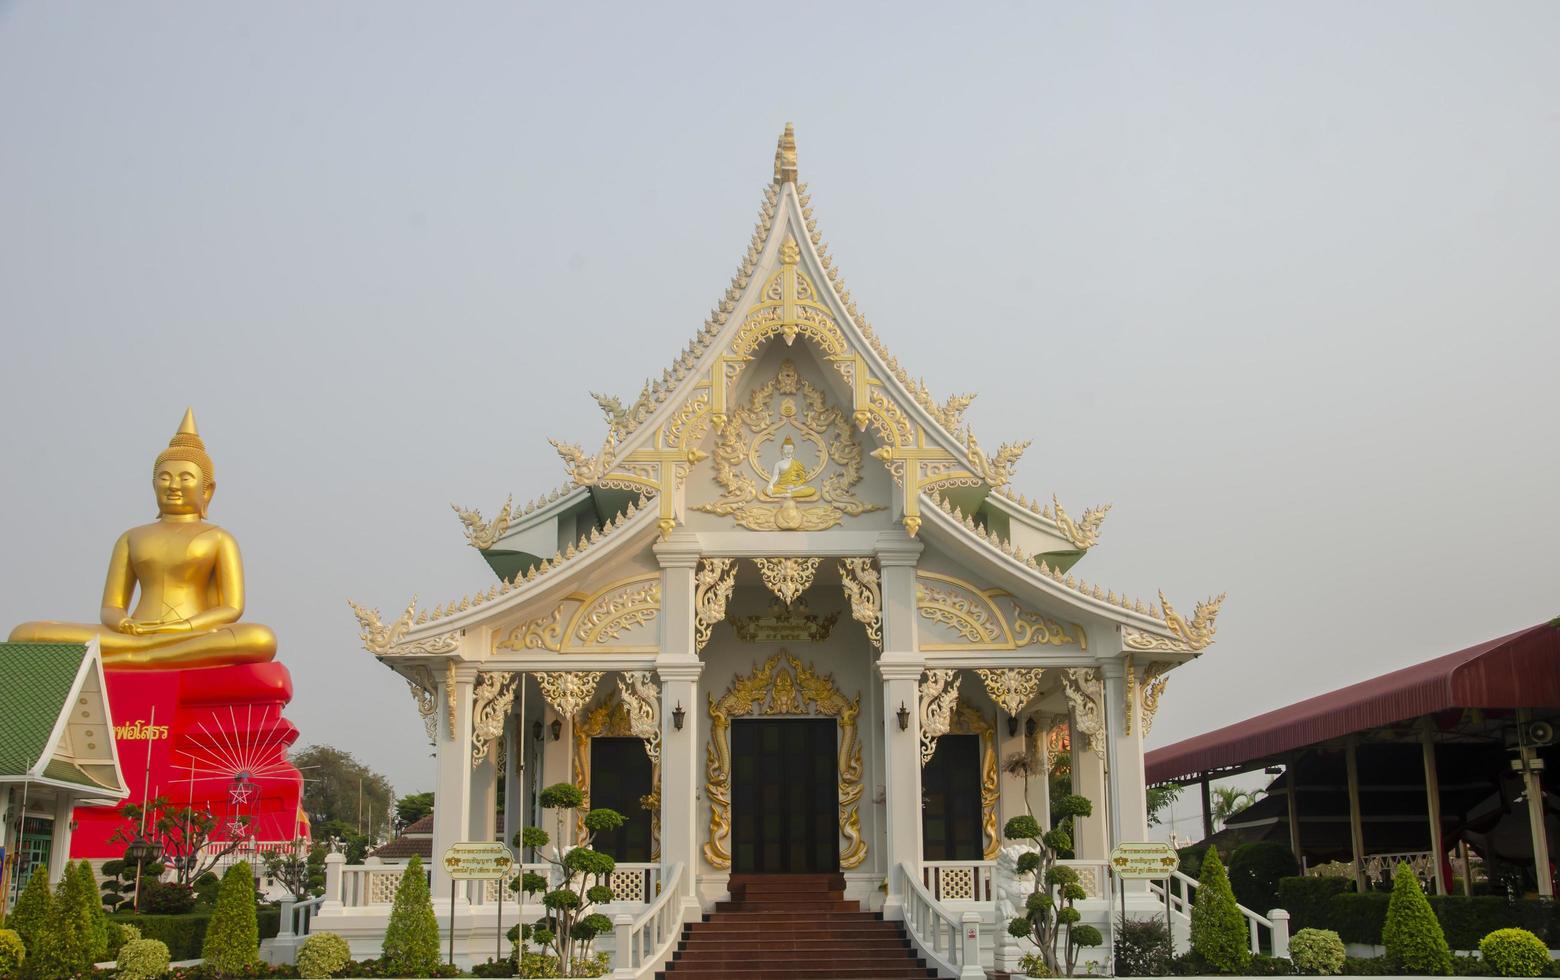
(1146, 860)
(478, 861)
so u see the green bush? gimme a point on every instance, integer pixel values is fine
(1515, 953)
(1142, 947)
(12, 952)
(85, 882)
(322, 954)
(1317, 951)
(64, 945)
(1033, 965)
(1255, 872)
(1219, 933)
(143, 959)
(411, 945)
(34, 908)
(118, 934)
(1308, 900)
(166, 898)
(232, 943)
(1413, 938)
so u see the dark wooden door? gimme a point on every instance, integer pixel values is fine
(619, 777)
(950, 801)
(784, 796)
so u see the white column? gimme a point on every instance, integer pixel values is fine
(1010, 789)
(900, 666)
(678, 667)
(1088, 780)
(484, 796)
(59, 850)
(514, 789)
(1129, 821)
(1040, 787)
(452, 793)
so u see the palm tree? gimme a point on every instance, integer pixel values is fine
(1228, 801)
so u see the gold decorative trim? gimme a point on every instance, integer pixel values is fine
(863, 586)
(1154, 680)
(490, 700)
(450, 699)
(783, 685)
(785, 624)
(987, 619)
(631, 711)
(424, 693)
(713, 584)
(1188, 637)
(480, 534)
(968, 720)
(939, 694)
(1083, 534)
(597, 620)
(388, 641)
(787, 577)
(1012, 688)
(1085, 693)
(568, 691)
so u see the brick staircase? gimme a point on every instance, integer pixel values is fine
(793, 926)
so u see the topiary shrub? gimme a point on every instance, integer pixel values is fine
(1255, 872)
(1142, 947)
(232, 943)
(411, 946)
(64, 943)
(1219, 933)
(85, 882)
(1515, 953)
(118, 934)
(1318, 952)
(322, 954)
(34, 908)
(142, 959)
(12, 952)
(166, 898)
(1413, 938)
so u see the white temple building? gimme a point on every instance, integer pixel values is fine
(790, 617)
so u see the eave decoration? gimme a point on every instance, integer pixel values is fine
(1085, 694)
(490, 701)
(783, 685)
(939, 694)
(1155, 677)
(1085, 533)
(482, 534)
(986, 619)
(424, 692)
(1012, 688)
(787, 578)
(568, 691)
(389, 641)
(1190, 637)
(713, 584)
(864, 588)
(617, 618)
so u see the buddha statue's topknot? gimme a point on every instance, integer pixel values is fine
(186, 446)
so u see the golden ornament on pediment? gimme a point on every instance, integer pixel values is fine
(390, 640)
(986, 619)
(787, 578)
(785, 624)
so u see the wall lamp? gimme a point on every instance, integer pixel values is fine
(1030, 727)
(1012, 725)
(678, 714)
(557, 729)
(904, 717)
(536, 730)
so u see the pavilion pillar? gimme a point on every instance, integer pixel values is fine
(59, 846)
(1356, 825)
(514, 781)
(1088, 780)
(1128, 790)
(1040, 787)
(900, 666)
(484, 797)
(678, 668)
(1533, 789)
(452, 789)
(1207, 806)
(1433, 806)
(1292, 803)
(1010, 788)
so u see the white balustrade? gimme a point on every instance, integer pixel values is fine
(642, 943)
(958, 881)
(1091, 876)
(950, 941)
(1276, 922)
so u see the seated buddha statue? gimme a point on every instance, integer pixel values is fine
(189, 575)
(789, 480)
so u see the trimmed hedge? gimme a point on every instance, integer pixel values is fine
(1255, 870)
(184, 934)
(1329, 903)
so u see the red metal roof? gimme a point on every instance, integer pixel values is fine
(1521, 670)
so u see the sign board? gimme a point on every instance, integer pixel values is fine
(478, 859)
(1149, 859)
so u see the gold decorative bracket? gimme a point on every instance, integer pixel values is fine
(1012, 688)
(939, 695)
(864, 588)
(1086, 693)
(713, 584)
(787, 578)
(568, 691)
(1155, 677)
(490, 702)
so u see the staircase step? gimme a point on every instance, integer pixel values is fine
(788, 905)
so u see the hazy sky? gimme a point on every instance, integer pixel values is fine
(1277, 281)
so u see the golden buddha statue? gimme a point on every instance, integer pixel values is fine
(190, 576)
(789, 479)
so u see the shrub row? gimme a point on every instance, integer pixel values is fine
(1327, 903)
(185, 934)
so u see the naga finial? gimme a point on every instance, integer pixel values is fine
(785, 157)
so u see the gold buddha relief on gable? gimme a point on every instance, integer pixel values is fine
(787, 459)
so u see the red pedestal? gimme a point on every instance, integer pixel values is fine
(213, 738)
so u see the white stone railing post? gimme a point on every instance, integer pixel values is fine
(334, 862)
(969, 960)
(623, 959)
(1280, 920)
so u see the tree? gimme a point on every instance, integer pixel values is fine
(1218, 928)
(411, 946)
(1160, 797)
(64, 942)
(87, 893)
(1049, 916)
(340, 789)
(1228, 801)
(413, 807)
(192, 841)
(569, 927)
(232, 943)
(298, 867)
(1026, 766)
(34, 908)
(1412, 934)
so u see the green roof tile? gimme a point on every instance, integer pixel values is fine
(35, 680)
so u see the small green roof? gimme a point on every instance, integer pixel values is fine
(38, 679)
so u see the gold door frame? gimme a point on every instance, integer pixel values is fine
(969, 720)
(783, 685)
(610, 719)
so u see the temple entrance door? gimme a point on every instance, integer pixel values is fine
(950, 801)
(784, 796)
(619, 776)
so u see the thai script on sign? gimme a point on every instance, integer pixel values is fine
(1146, 859)
(478, 859)
(140, 731)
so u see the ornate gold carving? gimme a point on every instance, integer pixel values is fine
(1188, 637)
(785, 624)
(568, 691)
(482, 534)
(490, 701)
(423, 692)
(542, 633)
(712, 587)
(968, 720)
(1011, 687)
(597, 621)
(785, 157)
(1083, 534)
(995, 470)
(1154, 680)
(783, 685)
(606, 617)
(787, 577)
(450, 700)
(864, 588)
(1086, 693)
(389, 641)
(986, 619)
(939, 694)
(768, 498)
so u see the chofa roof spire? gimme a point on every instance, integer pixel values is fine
(785, 157)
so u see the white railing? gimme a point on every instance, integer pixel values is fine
(635, 883)
(1091, 876)
(371, 885)
(958, 881)
(644, 942)
(296, 916)
(1182, 899)
(950, 943)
